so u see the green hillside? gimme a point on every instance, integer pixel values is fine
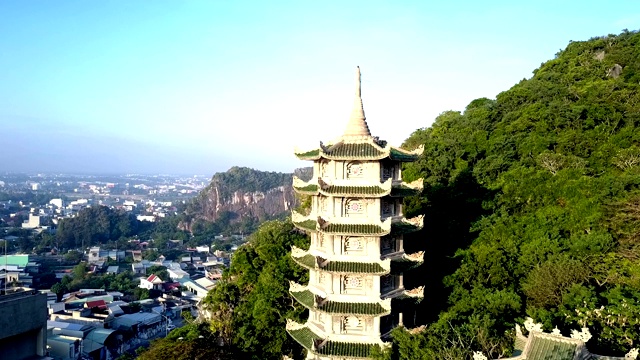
(537, 195)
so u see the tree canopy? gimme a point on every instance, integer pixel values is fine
(537, 196)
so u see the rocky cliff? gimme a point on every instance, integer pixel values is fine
(242, 192)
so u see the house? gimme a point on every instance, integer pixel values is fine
(113, 270)
(138, 268)
(32, 223)
(153, 282)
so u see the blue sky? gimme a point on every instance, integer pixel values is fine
(155, 86)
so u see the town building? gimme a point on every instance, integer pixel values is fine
(356, 258)
(26, 338)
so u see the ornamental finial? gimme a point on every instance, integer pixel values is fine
(357, 126)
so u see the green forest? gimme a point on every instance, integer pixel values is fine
(532, 208)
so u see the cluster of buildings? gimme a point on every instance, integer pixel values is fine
(99, 324)
(88, 324)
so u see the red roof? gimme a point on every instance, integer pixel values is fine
(100, 304)
(170, 286)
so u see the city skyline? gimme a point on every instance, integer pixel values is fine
(198, 87)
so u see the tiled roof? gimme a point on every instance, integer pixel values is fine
(549, 348)
(403, 264)
(399, 155)
(354, 151)
(353, 190)
(359, 151)
(403, 227)
(306, 338)
(307, 225)
(308, 189)
(341, 190)
(306, 298)
(403, 190)
(342, 229)
(312, 154)
(354, 267)
(335, 348)
(354, 229)
(309, 261)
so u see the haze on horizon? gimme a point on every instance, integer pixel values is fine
(200, 86)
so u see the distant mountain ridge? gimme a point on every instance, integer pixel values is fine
(243, 192)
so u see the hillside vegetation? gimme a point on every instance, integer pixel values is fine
(537, 195)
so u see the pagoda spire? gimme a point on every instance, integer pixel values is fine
(357, 125)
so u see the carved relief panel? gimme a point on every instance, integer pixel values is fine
(353, 285)
(355, 170)
(355, 208)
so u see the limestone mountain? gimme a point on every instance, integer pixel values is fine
(241, 193)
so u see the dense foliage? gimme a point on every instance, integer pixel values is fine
(190, 342)
(540, 192)
(97, 224)
(249, 307)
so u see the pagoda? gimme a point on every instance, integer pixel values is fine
(356, 258)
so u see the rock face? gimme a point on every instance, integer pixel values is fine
(242, 192)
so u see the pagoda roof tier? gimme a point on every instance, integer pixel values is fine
(382, 228)
(407, 189)
(318, 303)
(407, 262)
(309, 261)
(316, 344)
(406, 297)
(347, 188)
(340, 228)
(367, 148)
(405, 226)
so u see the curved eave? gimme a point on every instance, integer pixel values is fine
(306, 223)
(408, 297)
(308, 299)
(312, 262)
(407, 189)
(315, 344)
(406, 226)
(407, 262)
(318, 186)
(359, 150)
(403, 155)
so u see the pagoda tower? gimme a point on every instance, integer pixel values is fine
(356, 258)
